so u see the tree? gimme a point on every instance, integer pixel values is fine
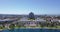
(12, 26)
(18, 25)
(42, 25)
(1, 27)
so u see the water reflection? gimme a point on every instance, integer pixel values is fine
(31, 30)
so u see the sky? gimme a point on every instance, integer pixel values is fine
(27, 6)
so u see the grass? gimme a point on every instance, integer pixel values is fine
(31, 19)
(16, 27)
(40, 27)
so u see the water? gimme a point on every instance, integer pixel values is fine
(32, 30)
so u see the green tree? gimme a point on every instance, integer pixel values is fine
(12, 26)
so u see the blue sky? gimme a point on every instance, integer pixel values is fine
(27, 6)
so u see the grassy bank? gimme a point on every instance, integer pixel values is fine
(58, 27)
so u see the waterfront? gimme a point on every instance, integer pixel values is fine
(29, 23)
(31, 30)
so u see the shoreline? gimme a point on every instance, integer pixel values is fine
(31, 28)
